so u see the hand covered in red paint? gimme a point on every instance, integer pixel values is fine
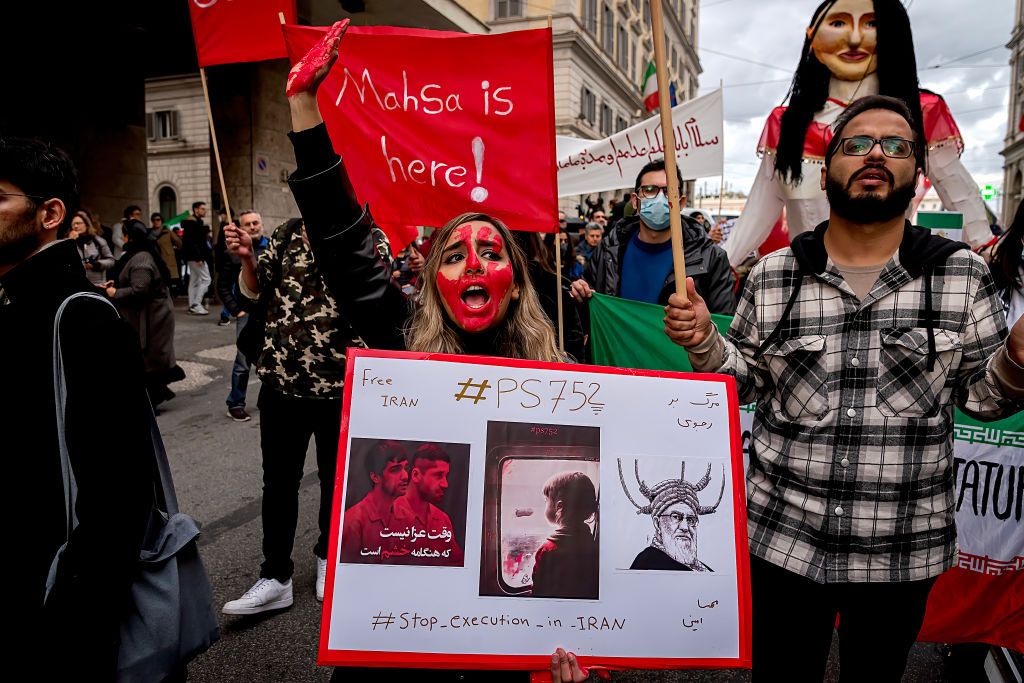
(565, 668)
(310, 71)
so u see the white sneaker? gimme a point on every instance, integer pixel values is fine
(321, 578)
(265, 595)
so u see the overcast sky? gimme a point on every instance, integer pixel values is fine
(771, 32)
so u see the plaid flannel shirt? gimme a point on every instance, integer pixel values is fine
(850, 476)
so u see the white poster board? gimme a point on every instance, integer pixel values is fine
(461, 583)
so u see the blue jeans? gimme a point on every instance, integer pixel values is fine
(239, 371)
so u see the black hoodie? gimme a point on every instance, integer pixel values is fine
(920, 253)
(706, 263)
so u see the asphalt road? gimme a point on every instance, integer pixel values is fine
(216, 467)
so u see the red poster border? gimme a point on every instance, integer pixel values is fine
(539, 662)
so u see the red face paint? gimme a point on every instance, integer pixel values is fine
(476, 289)
(302, 74)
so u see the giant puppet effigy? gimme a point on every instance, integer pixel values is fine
(852, 48)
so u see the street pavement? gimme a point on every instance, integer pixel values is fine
(216, 466)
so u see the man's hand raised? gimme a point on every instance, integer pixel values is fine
(688, 323)
(237, 240)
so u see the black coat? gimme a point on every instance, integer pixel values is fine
(112, 466)
(706, 263)
(195, 240)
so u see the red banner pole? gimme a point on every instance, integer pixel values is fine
(558, 253)
(216, 155)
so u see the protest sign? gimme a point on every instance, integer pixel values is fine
(586, 166)
(433, 124)
(232, 31)
(979, 600)
(547, 520)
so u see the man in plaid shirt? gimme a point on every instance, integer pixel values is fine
(857, 343)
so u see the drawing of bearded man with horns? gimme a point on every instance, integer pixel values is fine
(675, 511)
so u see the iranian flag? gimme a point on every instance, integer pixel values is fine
(649, 88)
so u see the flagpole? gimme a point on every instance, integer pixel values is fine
(558, 257)
(669, 143)
(721, 181)
(216, 154)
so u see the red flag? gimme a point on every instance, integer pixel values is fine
(231, 31)
(433, 124)
(967, 606)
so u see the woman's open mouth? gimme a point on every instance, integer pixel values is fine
(475, 297)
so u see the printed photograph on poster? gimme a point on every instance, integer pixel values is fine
(405, 503)
(672, 508)
(541, 512)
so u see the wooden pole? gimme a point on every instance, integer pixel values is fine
(216, 155)
(669, 142)
(558, 258)
(721, 181)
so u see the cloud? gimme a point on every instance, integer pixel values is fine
(977, 90)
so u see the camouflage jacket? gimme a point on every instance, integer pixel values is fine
(304, 346)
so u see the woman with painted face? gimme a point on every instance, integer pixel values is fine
(477, 296)
(852, 48)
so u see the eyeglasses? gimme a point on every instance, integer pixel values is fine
(651, 191)
(861, 145)
(678, 518)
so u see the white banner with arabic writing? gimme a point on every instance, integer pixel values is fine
(586, 166)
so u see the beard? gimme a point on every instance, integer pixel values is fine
(870, 207)
(681, 548)
(19, 239)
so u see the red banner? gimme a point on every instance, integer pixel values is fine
(433, 124)
(231, 31)
(966, 606)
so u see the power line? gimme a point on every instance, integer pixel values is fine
(973, 54)
(744, 59)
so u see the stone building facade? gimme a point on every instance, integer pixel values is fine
(178, 144)
(1013, 151)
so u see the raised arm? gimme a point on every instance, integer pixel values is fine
(337, 225)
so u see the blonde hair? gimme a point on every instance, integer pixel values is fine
(526, 333)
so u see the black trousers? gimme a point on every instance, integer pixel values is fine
(286, 425)
(794, 617)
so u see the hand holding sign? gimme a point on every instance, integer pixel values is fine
(310, 71)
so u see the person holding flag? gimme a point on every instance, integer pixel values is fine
(856, 343)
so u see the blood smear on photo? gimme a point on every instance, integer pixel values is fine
(522, 488)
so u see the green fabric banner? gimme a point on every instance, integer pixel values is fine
(631, 334)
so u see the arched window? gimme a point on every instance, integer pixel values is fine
(168, 200)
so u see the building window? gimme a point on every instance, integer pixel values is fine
(606, 120)
(633, 71)
(624, 49)
(647, 13)
(162, 125)
(636, 5)
(507, 9)
(620, 124)
(590, 16)
(588, 106)
(608, 30)
(168, 200)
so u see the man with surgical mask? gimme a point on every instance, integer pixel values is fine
(635, 260)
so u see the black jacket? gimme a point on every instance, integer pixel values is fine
(195, 240)
(706, 263)
(113, 468)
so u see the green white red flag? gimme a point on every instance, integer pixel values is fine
(649, 87)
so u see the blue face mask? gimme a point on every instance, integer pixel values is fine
(654, 212)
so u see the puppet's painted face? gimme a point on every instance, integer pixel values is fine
(476, 279)
(846, 40)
